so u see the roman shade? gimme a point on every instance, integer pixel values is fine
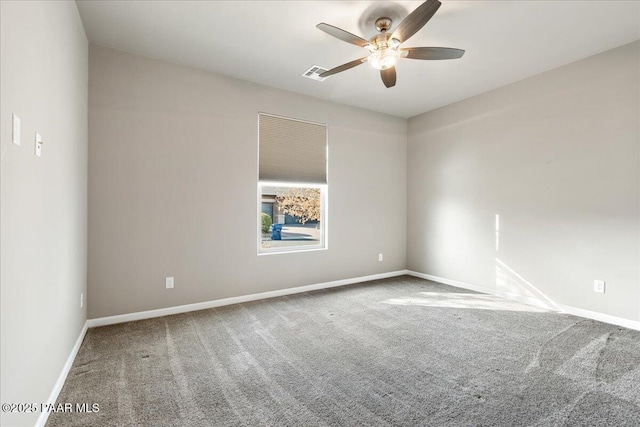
(292, 150)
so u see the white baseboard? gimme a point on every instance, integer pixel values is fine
(601, 317)
(44, 416)
(121, 318)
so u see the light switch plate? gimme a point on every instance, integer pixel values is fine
(15, 137)
(38, 145)
(169, 282)
(598, 286)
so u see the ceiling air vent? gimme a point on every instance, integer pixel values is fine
(314, 73)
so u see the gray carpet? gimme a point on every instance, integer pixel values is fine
(400, 351)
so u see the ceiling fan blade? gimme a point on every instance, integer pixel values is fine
(343, 67)
(432, 53)
(342, 34)
(416, 20)
(389, 76)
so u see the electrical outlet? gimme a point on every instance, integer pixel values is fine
(16, 130)
(81, 299)
(169, 282)
(380, 257)
(598, 286)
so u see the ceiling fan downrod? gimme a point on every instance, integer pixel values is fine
(383, 24)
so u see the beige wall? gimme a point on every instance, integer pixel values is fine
(43, 79)
(173, 187)
(557, 156)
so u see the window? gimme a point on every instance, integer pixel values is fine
(292, 185)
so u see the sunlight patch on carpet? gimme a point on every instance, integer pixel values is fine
(463, 300)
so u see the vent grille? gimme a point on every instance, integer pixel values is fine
(314, 72)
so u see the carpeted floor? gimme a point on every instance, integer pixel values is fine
(401, 351)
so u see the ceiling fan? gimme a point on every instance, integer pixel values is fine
(385, 48)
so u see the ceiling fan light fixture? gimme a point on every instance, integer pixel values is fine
(383, 59)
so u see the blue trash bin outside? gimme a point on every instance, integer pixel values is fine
(276, 234)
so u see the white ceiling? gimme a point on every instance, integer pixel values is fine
(274, 42)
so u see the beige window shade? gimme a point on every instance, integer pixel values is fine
(292, 151)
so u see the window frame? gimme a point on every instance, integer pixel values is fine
(321, 246)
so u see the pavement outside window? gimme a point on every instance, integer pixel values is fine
(294, 235)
